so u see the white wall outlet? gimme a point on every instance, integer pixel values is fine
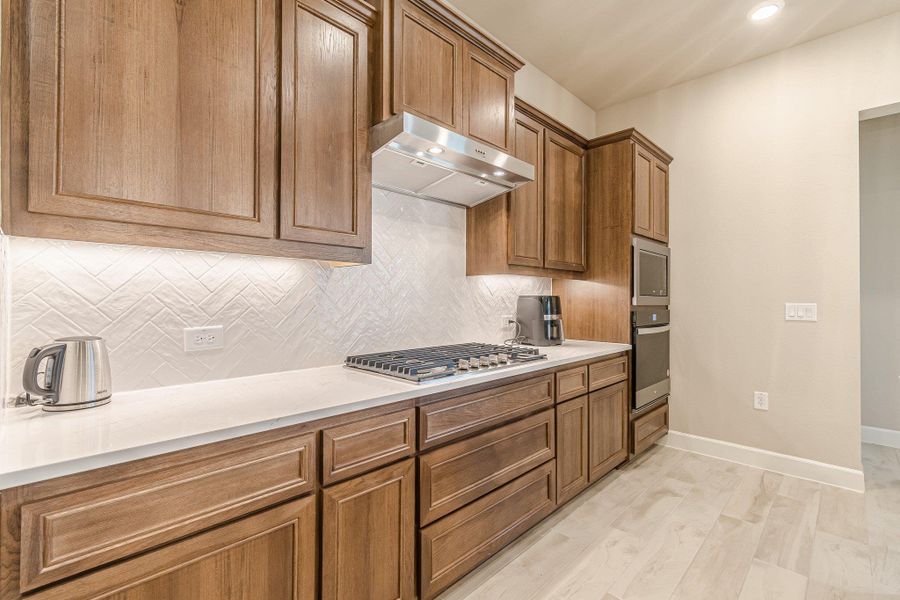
(199, 339)
(761, 400)
(507, 321)
(801, 312)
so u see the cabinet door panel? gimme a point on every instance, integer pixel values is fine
(660, 201)
(571, 448)
(564, 235)
(154, 113)
(368, 536)
(643, 196)
(526, 203)
(488, 99)
(268, 556)
(608, 429)
(428, 68)
(326, 170)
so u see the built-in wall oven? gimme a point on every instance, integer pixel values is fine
(651, 273)
(650, 334)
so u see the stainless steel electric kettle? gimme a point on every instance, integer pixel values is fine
(75, 374)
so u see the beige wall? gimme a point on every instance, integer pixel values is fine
(536, 88)
(764, 210)
(879, 158)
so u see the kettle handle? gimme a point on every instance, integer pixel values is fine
(30, 372)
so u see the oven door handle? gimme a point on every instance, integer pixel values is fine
(649, 330)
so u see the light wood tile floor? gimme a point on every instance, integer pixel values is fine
(684, 526)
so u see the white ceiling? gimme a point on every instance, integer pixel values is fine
(608, 51)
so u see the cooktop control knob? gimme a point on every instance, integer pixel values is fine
(495, 360)
(485, 361)
(463, 365)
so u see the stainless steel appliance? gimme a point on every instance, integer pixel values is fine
(417, 157)
(651, 354)
(539, 321)
(651, 273)
(75, 374)
(423, 364)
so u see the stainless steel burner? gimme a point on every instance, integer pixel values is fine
(423, 364)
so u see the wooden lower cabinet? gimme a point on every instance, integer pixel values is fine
(607, 429)
(459, 542)
(648, 427)
(267, 556)
(571, 448)
(368, 536)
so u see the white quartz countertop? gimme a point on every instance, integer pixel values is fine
(36, 445)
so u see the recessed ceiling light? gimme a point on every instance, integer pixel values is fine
(499, 173)
(436, 150)
(765, 10)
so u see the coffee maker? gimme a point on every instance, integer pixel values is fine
(539, 320)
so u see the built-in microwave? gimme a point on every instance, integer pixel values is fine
(651, 273)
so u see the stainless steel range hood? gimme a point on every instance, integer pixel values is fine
(414, 156)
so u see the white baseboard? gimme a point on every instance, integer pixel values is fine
(882, 437)
(851, 479)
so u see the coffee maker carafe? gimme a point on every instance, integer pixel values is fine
(539, 320)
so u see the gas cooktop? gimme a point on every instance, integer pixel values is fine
(423, 364)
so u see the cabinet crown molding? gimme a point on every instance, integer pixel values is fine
(461, 24)
(635, 136)
(361, 9)
(550, 123)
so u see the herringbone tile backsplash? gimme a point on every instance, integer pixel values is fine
(278, 314)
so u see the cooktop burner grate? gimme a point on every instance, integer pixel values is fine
(423, 364)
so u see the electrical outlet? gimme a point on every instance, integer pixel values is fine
(761, 400)
(507, 321)
(801, 312)
(200, 339)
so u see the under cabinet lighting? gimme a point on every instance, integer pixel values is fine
(436, 150)
(765, 10)
(499, 173)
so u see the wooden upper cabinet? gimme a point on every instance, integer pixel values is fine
(651, 194)
(564, 222)
(154, 113)
(438, 65)
(643, 196)
(526, 203)
(660, 203)
(326, 170)
(488, 99)
(428, 67)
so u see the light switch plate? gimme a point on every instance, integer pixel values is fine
(794, 311)
(199, 339)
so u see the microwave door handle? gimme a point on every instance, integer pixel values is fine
(652, 330)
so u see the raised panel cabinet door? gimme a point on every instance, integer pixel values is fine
(428, 67)
(326, 189)
(643, 194)
(571, 448)
(526, 203)
(660, 204)
(488, 99)
(564, 220)
(607, 429)
(368, 536)
(268, 556)
(154, 113)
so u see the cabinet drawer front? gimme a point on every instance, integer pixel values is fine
(358, 447)
(571, 383)
(270, 555)
(458, 543)
(454, 418)
(608, 372)
(453, 476)
(648, 428)
(68, 534)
